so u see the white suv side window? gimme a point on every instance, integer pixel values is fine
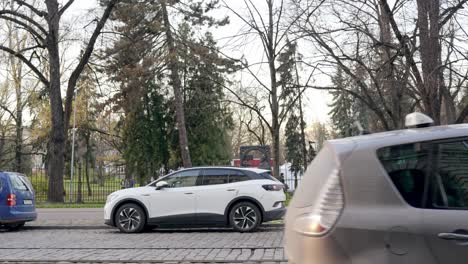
(186, 178)
(215, 176)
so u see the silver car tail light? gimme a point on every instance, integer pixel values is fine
(326, 210)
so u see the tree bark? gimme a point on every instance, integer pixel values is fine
(275, 125)
(57, 137)
(16, 71)
(429, 36)
(302, 124)
(387, 76)
(177, 87)
(79, 197)
(87, 159)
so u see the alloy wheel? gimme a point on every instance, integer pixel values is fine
(129, 219)
(245, 217)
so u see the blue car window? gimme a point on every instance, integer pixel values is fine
(17, 183)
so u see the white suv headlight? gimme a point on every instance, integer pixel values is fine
(111, 197)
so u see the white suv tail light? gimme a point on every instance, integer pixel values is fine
(326, 209)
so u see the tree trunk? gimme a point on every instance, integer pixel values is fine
(275, 125)
(302, 124)
(295, 180)
(57, 137)
(303, 138)
(87, 160)
(16, 72)
(79, 197)
(19, 132)
(449, 114)
(176, 84)
(428, 22)
(388, 80)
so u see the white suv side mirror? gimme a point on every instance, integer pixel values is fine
(161, 185)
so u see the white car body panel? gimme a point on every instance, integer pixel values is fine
(172, 204)
(172, 201)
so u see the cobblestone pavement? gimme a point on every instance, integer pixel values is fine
(44, 245)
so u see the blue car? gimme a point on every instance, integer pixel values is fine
(17, 202)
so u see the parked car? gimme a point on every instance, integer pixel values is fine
(17, 201)
(242, 198)
(393, 197)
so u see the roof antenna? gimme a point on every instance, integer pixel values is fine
(418, 120)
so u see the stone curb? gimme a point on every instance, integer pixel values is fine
(94, 226)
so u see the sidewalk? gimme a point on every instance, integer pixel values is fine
(69, 217)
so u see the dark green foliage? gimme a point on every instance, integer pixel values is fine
(138, 63)
(208, 117)
(288, 80)
(346, 110)
(145, 135)
(294, 153)
(341, 107)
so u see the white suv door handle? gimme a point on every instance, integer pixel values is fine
(188, 193)
(231, 190)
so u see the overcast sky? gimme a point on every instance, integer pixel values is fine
(315, 102)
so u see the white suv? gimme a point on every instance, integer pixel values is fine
(242, 198)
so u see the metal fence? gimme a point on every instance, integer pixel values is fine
(291, 183)
(95, 184)
(92, 186)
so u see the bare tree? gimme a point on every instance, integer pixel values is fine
(271, 29)
(44, 28)
(429, 80)
(392, 71)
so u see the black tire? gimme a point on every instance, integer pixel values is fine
(245, 217)
(15, 227)
(130, 218)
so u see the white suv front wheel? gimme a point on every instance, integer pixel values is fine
(130, 218)
(245, 217)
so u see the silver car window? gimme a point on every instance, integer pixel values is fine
(407, 165)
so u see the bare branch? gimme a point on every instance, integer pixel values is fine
(85, 58)
(32, 8)
(450, 12)
(25, 17)
(24, 25)
(9, 112)
(28, 63)
(65, 7)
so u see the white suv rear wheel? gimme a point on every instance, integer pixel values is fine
(245, 217)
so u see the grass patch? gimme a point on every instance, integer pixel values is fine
(68, 205)
(288, 198)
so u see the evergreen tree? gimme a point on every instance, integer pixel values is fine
(340, 114)
(294, 153)
(145, 136)
(208, 116)
(139, 62)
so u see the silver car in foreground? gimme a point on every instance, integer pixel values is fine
(394, 197)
